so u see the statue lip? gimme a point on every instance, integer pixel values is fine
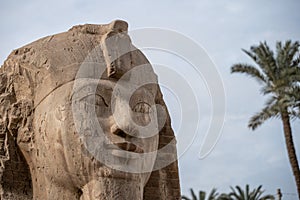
(126, 146)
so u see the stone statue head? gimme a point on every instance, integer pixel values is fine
(82, 117)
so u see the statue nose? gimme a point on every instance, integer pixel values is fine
(121, 116)
(120, 133)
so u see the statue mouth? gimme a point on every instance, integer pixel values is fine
(127, 146)
(125, 150)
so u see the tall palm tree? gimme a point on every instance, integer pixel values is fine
(279, 76)
(255, 194)
(202, 195)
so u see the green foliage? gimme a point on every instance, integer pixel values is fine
(235, 194)
(279, 76)
(202, 195)
(256, 194)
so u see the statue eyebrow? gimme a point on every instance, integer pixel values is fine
(94, 84)
(91, 94)
(108, 85)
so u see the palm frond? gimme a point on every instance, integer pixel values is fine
(235, 195)
(296, 61)
(247, 191)
(224, 197)
(240, 190)
(288, 76)
(268, 112)
(193, 194)
(251, 55)
(185, 198)
(202, 195)
(267, 197)
(291, 49)
(267, 89)
(250, 71)
(265, 59)
(213, 194)
(287, 54)
(256, 193)
(270, 101)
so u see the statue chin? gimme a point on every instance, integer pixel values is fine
(112, 188)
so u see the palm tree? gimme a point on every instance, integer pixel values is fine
(255, 194)
(279, 76)
(202, 195)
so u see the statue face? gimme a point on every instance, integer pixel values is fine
(96, 131)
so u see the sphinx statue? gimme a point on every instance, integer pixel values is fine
(82, 117)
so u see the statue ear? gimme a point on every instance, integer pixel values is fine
(164, 182)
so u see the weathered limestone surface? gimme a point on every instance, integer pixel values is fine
(46, 151)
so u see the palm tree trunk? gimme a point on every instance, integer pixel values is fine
(291, 148)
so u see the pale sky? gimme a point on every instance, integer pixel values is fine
(222, 28)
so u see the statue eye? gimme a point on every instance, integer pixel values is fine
(142, 107)
(96, 100)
